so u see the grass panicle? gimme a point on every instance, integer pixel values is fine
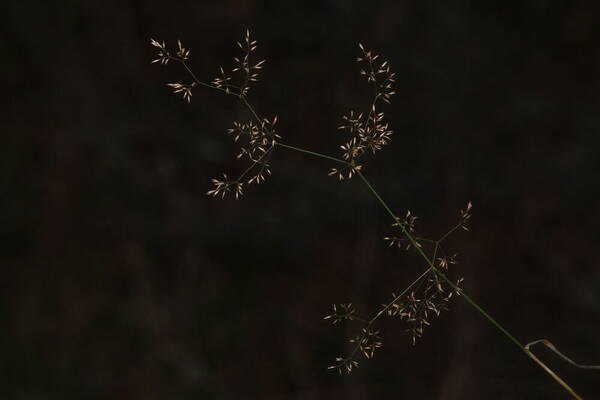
(431, 292)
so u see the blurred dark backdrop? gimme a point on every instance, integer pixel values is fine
(122, 280)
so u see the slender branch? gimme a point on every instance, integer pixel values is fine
(388, 209)
(387, 307)
(451, 231)
(245, 101)
(198, 81)
(264, 155)
(287, 146)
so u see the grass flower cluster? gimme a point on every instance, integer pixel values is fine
(431, 292)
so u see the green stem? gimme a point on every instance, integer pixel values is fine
(384, 204)
(287, 146)
(479, 309)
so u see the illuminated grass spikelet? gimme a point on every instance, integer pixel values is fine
(342, 312)
(163, 54)
(184, 89)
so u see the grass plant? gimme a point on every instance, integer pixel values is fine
(368, 132)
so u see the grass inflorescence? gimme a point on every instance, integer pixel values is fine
(431, 292)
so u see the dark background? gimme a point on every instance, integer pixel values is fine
(121, 279)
